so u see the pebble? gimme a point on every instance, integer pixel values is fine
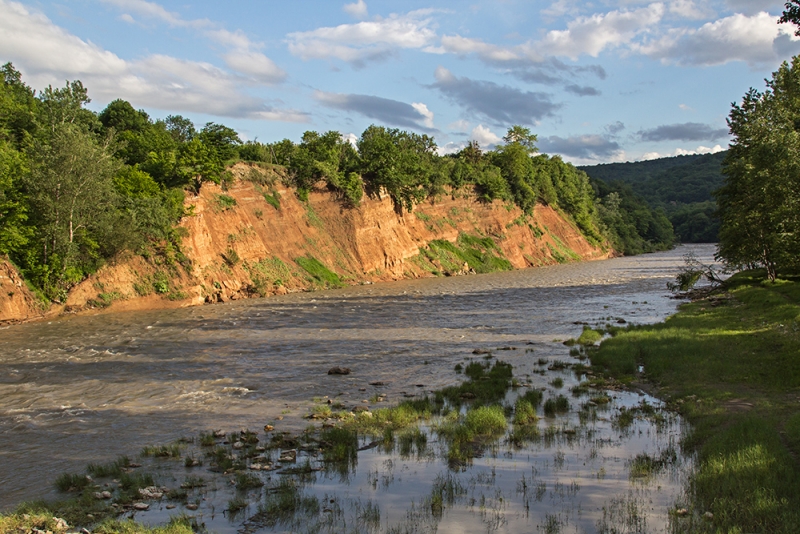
(191, 507)
(141, 506)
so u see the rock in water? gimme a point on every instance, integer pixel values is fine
(339, 371)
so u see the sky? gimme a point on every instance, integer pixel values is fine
(598, 81)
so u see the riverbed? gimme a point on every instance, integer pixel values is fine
(87, 389)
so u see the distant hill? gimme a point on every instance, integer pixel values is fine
(682, 186)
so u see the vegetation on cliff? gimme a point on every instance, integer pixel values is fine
(77, 187)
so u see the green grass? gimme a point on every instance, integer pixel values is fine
(730, 363)
(223, 203)
(481, 254)
(558, 405)
(273, 199)
(319, 273)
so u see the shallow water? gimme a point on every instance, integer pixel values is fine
(91, 388)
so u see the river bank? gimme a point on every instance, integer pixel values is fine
(729, 363)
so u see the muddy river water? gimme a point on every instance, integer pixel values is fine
(87, 389)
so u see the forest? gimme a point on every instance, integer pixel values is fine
(78, 187)
(682, 186)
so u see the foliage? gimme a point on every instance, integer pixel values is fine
(399, 162)
(631, 225)
(759, 204)
(682, 186)
(76, 187)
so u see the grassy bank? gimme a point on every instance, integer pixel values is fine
(731, 364)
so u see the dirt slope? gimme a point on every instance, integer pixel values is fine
(246, 242)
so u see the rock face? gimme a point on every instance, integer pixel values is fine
(239, 245)
(17, 303)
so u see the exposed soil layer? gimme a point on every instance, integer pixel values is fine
(246, 241)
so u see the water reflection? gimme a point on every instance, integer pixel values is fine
(90, 388)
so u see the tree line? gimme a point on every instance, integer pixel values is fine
(79, 187)
(759, 203)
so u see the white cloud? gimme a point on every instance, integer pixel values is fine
(125, 17)
(351, 138)
(455, 44)
(423, 110)
(47, 54)
(751, 39)
(243, 57)
(34, 43)
(155, 11)
(683, 152)
(356, 10)
(256, 65)
(236, 39)
(684, 107)
(365, 40)
(484, 136)
(591, 35)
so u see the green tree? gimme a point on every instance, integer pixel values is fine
(180, 128)
(398, 162)
(223, 141)
(73, 205)
(14, 233)
(791, 13)
(759, 203)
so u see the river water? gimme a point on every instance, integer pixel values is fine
(89, 388)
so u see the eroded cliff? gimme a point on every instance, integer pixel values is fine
(257, 238)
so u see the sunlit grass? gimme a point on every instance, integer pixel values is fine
(730, 364)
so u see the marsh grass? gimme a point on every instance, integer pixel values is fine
(554, 406)
(173, 450)
(111, 469)
(71, 482)
(729, 363)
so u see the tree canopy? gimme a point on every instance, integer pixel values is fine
(759, 204)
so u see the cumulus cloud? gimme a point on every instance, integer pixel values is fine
(688, 131)
(385, 110)
(357, 9)
(751, 39)
(501, 104)
(592, 35)
(243, 56)
(255, 65)
(47, 54)
(585, 147)
(364, 41)
(485, 137)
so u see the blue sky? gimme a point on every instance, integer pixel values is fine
(597, 81)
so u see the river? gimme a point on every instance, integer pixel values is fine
(89, 388)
